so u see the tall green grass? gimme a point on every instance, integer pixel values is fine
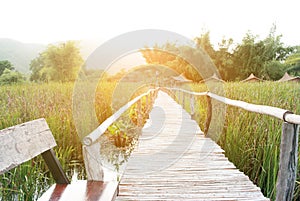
(252, 141)
(53, 101)
(21, 103)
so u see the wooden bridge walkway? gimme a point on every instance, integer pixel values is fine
(174, 161)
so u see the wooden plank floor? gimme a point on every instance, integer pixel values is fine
(174, 161)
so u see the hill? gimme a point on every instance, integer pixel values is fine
(18, 53)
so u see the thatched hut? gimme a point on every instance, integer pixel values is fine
(213, 78)
(252, 78)
(287, 78)
(180, 79)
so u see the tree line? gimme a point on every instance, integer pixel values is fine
(8, 74)
(57, 63)
(267, 58)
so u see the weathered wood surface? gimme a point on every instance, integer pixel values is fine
(174, 161)
(22, 142)
(81, 190)
(288, 162)
(55, 167)
(92, 162)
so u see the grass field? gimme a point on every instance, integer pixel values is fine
(251, 141)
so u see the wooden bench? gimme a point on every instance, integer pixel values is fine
(25, 141)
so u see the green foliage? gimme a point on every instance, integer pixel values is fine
(11, 77)
(265, 58)
(203, 41)
(36, 66)
(19, 183)
(118, 134)
(274, 70)
(177, 58)
(118, 143)
(57, 63)
(5, 65)
(293, 62)
(224, 60)
(254, 56)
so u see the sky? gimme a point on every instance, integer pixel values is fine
(49, 21)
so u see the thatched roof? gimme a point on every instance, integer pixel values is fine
(181, 78)
(213, 78)
(287, 78)
(252, 78)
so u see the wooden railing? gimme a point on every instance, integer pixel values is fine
(289, 138)
(91, 148)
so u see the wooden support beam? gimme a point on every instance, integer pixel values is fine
(151, 97)
(139, 113)
(288, 162)
(147, 105)
(183, 100)
(55, 167)
(92, 162)
(208, 116)
(192, 106)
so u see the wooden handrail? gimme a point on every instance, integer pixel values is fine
(279, 113)
(93, 136)
(188, 92)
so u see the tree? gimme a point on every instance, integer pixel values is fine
(57, 63)
(274, 70)
(5, 65)
(265, 58)
(293, 62)
(246, 56)
(177, 57)
(257, 56)
(9, 76)
(203, 41)
(36, 66)
(224, 60)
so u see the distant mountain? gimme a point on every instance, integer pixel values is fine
(18, 53)
(21, 54)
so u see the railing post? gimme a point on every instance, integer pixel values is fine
(288, 162)
(183, 100)
(92, 162)
(208, 116)
(178, 96)
(150, 98)
(192, 106)
(139, 113)
(153, 94)
(146, 103)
